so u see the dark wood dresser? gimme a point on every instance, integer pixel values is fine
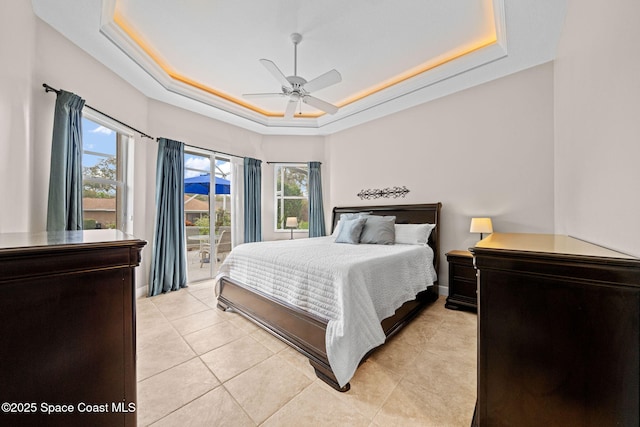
(67, 328)
(559, 333)
(462, 281)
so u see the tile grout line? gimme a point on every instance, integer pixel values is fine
(181, 363)
(401, 376)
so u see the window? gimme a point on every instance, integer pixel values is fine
(106, 195)
(292, 194)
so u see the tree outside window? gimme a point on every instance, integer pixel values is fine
(291, 194)
(103, 176)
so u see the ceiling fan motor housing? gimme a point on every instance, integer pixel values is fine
(297, 84)
(296, 38)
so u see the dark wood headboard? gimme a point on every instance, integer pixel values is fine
(405, 214)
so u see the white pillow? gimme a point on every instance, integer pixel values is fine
(413, 234)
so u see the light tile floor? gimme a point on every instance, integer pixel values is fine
(199, 366)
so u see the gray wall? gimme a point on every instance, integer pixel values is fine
(485, 151)
(597, 120)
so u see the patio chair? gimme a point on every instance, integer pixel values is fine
(205, 253)
(223, 245)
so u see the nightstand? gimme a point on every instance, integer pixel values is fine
(462, 281)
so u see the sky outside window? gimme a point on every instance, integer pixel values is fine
(96, 139)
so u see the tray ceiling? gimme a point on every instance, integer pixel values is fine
(204, 55)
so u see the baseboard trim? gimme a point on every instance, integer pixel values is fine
(141, 292)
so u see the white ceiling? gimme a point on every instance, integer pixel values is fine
(203, 55)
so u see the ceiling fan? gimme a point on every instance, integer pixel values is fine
(296, 88)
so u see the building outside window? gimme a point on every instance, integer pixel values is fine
(291, 194)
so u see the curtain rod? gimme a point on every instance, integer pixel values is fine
(48, 88)
(290, 163)
(216, 151)
(210, 149)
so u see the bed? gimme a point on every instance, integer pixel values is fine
(315, 327)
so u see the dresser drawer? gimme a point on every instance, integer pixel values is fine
(464, 289)
(464, 272)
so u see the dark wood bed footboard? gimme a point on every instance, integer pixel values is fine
(302, 330)
(305, 332)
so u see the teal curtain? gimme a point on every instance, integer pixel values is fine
(64, 211)
(169, 258)
(252, 196)
(316, 210)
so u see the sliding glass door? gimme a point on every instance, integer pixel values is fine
(207, 208)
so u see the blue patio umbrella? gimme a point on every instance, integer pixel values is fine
(200, 185)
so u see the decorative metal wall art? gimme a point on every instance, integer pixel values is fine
(376, 193)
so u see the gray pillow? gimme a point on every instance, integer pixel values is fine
(379, 230)
(350, 230)
(345, 216)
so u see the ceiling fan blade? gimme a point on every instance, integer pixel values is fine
(327, 79)
(291, 108)
(320, 104)
(262, 95)
(273, 69)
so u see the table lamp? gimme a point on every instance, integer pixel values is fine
(481, 225)
(292, 222)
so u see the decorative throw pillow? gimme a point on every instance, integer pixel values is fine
(347, 216)
(350, 230)
(379, 230)
(413, 234)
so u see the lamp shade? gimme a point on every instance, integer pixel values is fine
(292, 222)
(481, 225)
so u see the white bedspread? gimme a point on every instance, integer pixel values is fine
(354, 287)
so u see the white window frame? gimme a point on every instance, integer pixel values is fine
(277, 199)
(124, 153)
